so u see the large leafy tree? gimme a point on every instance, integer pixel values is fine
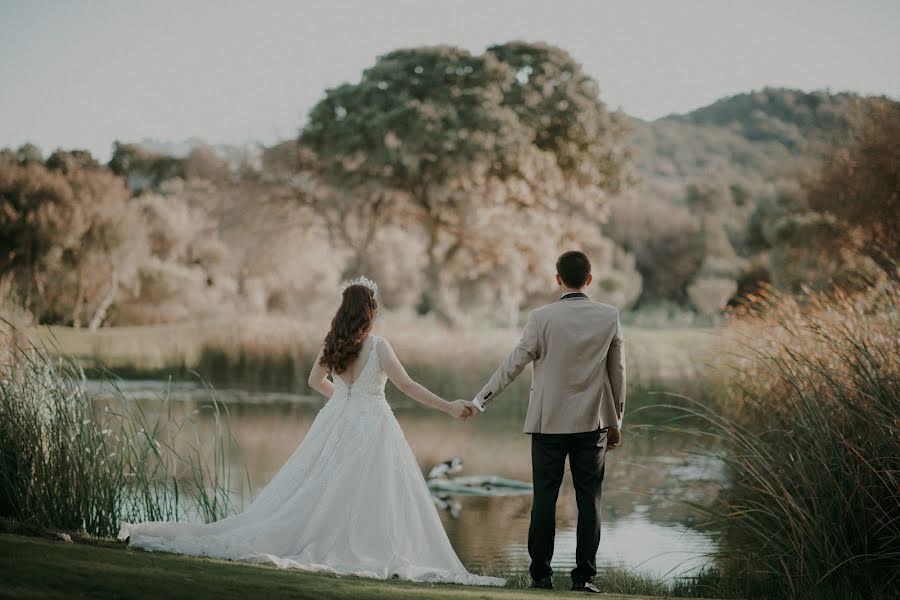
(69, 236)
(561, 105)
(436, 136)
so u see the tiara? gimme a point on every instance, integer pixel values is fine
(363, 281)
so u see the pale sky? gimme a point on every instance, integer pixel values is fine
(82, 73)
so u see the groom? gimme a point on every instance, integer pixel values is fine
(575, 411)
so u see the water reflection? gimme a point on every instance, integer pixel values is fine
(646, 524)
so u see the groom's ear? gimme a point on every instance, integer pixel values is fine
(587, 281)
(558, 279)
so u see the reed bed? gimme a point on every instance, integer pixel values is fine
(809, 420)
(73, 463)
(276, 352)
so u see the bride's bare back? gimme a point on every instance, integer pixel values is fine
(393, 368)
(352, 372)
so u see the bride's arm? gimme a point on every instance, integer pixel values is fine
(399, 377)
(318, 378)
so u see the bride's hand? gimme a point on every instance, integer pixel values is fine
(458, 409)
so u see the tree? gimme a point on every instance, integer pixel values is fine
(809, 250)
(560, 104)
(204, 163)
(143, 169)
(793, 118)
(69, 237)
(710, 295)
(667, 241)
(29, 153)
(861, 182)
(433, 136)
(70, 161)
(35, 211)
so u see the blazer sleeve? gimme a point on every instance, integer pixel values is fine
(526, 351)
(615, 366)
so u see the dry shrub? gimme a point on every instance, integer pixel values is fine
(168, 292)
(711, 294)
(811, 431)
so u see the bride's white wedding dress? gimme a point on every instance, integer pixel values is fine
(351, 500)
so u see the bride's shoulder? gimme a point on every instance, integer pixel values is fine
(381, 343)
(382, 349)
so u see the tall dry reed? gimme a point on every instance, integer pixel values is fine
(810, 424)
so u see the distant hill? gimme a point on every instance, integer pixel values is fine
(727, 171)
(791, 117)
(754, 140)
(763, 133)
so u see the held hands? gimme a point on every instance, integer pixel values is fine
(461, 409)
(473, 410)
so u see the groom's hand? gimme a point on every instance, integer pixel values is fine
(469, 409)
(613, 438)
(473, 410)
(459, 410)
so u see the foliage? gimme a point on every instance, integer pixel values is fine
(144, 169)
(711, 294)
(68, 462)
(559, 103)
(809, 250)
(69, 237)
(665, 239)
(860, 183)
(746, 161)
(448, 141)
(455, 187)
(810, 429)
(791, 118)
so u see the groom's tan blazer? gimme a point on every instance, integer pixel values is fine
(578, 385)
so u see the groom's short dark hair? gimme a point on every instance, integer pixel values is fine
(573, 268)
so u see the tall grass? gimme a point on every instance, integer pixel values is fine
(277, 352)
(69, 462)
(810, 426)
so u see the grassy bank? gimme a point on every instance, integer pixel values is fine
(40, 568)
(278, 352)
(68, 462)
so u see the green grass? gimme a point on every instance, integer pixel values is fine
(41, 568)
(69, 461)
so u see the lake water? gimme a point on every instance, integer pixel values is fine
(647, 526)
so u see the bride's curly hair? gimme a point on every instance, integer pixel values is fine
(349, 328)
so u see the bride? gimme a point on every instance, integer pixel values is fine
(351, 499)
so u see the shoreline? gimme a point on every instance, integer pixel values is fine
(54, 568)
(276, 352)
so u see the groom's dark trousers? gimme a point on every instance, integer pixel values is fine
(587, 456)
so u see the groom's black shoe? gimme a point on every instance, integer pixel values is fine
(542, 584)
(585, 586)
